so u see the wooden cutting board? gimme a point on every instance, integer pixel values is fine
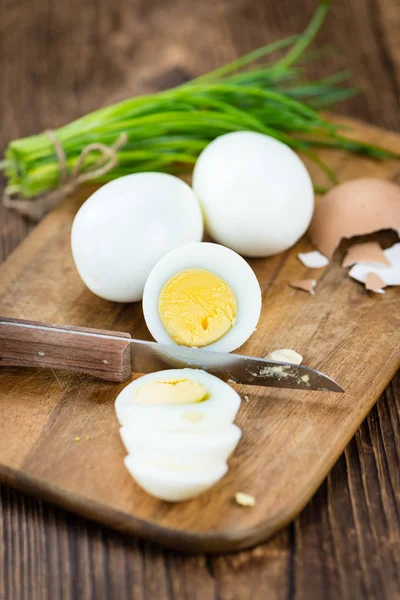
(290, 439)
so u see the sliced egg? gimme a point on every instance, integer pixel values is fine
(202, 295)
(177, 427)
(174, 485)
(175, 449)
(217, 410)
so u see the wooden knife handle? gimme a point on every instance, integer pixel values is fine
(65, 347)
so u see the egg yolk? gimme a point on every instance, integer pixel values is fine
(179, 391)
(197, 308)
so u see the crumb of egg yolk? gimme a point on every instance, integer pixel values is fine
(178, 391)
(245, 499)
(197, 308)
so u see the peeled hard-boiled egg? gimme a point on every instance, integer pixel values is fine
(126, 226)
(215, 406)
(256, 194)
(177, 450)
(202, 295)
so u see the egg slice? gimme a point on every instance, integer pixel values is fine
(217, 410)
(174, 485)
(202, 295)
(175, 449)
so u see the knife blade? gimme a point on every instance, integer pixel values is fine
(113, 356)
(148, 357)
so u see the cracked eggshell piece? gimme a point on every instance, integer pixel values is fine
(219, 410)
(226, 264)
(174, 485)
(313, 260)
(374, 283)
(356, 207)
(175, 449)
(367, 252)
(307, 285)
(286, 355)
(389, 275)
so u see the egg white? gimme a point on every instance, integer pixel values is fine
(174, 485)
(177, 448)
(256, 194)
(126, 226)
(218, 411)
(225, 263)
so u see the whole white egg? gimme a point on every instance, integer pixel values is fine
(126, 226)
(256, 194)
(194, 310)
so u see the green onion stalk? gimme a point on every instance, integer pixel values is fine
(166, 131)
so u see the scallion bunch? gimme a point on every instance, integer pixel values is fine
(167, 131)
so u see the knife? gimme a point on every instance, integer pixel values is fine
(113, 356)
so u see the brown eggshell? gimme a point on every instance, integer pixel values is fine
(368, 252)
(356, 207)
(374, 283)
(307, 285)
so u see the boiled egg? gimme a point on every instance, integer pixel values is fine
(173, 449)
(177, 427)
(198, 401)
(174, 485)
(256, 194)
(126, 226)
(202, 295)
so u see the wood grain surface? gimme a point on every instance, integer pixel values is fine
(41, 345)
(58, 431)
(55, 66)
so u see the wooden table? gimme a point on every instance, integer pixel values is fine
(61, 59)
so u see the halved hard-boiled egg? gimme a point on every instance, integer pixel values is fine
(202, 295)
(177, 427)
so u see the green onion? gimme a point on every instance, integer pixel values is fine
(167, 131)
